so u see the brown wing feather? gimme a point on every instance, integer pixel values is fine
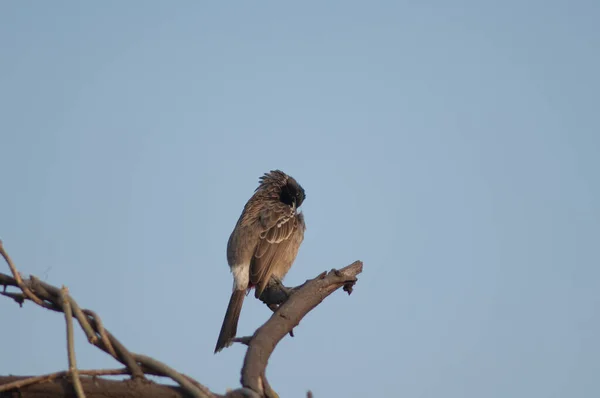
(278, 246)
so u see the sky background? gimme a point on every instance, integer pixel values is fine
(454, 147)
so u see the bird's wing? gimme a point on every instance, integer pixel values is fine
(281, 233)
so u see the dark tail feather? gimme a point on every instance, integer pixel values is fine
(230, 322)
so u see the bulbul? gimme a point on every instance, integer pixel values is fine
(264, 243)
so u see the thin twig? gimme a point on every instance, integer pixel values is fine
(18, 297)
(64, 295)
(17, 277)
(102, 332)
(123, 354)
(243, 340)
(83, 322)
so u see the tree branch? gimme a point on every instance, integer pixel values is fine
(54, 299)
(290, 305)
(17, 276)
(21, 382)
(193, 387)
(64, 295)
(300, 303)
(59, 386)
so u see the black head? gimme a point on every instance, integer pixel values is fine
(292, 193)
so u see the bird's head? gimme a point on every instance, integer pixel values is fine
(279, 186)
(292, 194)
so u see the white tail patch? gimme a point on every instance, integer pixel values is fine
(241, 276)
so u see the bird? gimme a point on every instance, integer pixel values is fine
(264, 243)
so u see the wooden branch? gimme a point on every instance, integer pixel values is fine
(17, 276)
(290, 305)
(83, 321)
(300, 303)
(55, 299)
(52, 295)
(21, 381)
(95, 387)
(193, 387)
(103, 335)
(64, 295)
(8, 383)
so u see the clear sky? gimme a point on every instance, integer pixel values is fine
(452, 146)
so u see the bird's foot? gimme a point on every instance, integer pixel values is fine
(275, 293)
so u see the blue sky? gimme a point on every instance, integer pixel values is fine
(451, 147)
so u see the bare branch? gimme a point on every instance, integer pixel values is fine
(18, 297)
(123, 354)
(290, 305)
(83, 322)
(52, 294)
(102, 332)
(52, 376)
(242, 340)
(56, 300)
(184, 381)
(95, 387)
(300, 303)
(17, 276)
(64, 295)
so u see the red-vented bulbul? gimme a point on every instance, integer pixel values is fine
(264, 243)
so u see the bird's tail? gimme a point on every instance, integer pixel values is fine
(230, 322)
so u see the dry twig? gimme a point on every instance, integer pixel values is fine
(55, 300)
(102, 332)
(17, 276)
(64, 295)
